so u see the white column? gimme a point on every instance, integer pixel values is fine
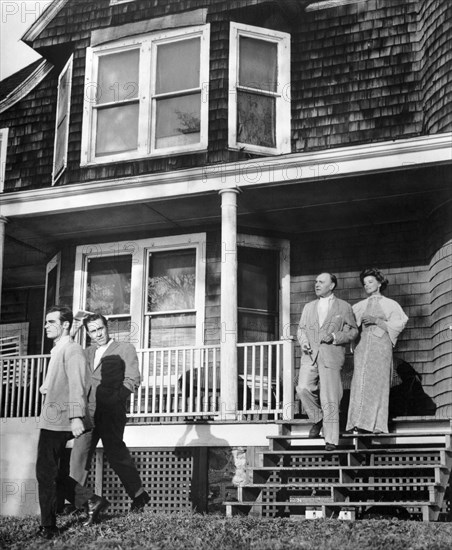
(3, 222)
(228, 375)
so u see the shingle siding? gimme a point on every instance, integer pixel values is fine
(358, 75)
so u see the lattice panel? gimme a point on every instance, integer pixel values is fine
(166, 475)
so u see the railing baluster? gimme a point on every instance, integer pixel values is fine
(184, 382)
(198, 380)
(154, 381)
(261, 377)
(214, 381)
(269, 377)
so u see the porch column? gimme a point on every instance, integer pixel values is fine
(3, 222)
(229, 372)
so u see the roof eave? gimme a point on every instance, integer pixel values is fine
(42, 21)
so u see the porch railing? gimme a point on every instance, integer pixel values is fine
(21, 378)
(177, 383)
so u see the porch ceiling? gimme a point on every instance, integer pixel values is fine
(284, 209)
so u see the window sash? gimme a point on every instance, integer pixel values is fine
(278, 90)
(147, 101)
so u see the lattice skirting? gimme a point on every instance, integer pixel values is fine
(167, 475)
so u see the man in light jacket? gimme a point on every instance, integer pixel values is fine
(63, 417)
(326, 326)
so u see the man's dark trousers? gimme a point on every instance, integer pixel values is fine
(109, 427)
(51, 478)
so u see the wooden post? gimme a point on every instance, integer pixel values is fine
(228, 346)
(288, 379)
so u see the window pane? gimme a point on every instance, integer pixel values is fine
(108, 285)
(118, 77)
(117, 129)
(172, 330)
(256, 119)
(178, 66)
(258, 64)
(172, 280)
(178, 121)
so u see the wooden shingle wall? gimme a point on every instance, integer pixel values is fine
(364, 72)
(355, 75)
(31, 135)
(436, 60)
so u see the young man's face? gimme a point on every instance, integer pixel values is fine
(54, 328)
(98, 332)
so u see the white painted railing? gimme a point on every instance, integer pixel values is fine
(21, 378)
(177, 383)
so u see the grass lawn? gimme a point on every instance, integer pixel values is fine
(155, 531)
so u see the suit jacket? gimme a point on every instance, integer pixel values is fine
(119, 362)
(65, 396)
(339, 321)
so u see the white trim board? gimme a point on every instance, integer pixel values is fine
(296, 168)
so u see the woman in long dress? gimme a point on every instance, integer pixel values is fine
(381, 320)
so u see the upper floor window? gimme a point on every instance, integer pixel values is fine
(62, 120)
(146, 95)
(3, 146)
(259, 90)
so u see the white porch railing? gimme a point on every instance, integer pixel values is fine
(177, 383)
(21, 378)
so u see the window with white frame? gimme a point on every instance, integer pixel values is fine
(152, 291)
(3, 148)
(146, 95)
(62, 120)
(259, 90)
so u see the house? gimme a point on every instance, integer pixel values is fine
(188, 168)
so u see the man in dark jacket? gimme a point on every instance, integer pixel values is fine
(114, 375)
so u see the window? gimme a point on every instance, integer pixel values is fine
(147, 95)
(259, 93)
(3, 147)
(62, 120)
(152, 291)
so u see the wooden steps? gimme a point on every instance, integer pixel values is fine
(404, 470)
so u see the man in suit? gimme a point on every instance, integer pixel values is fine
(326, 326)
(114, 375)
(63, 417)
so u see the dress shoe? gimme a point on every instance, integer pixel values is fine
(96, 505)
(48, 533)
(140, 502)
(314, 432)
(330, 447)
